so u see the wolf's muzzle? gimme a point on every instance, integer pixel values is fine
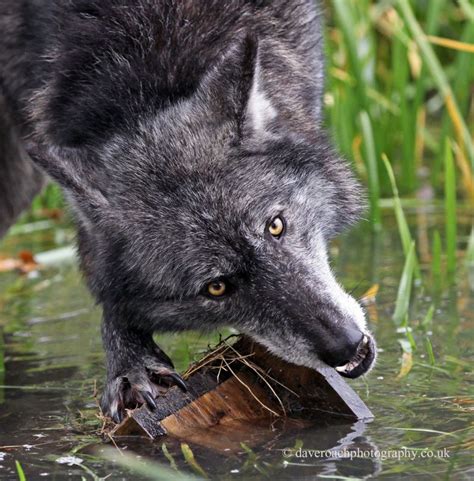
(340, 345)
(353, 353)
(362, 361)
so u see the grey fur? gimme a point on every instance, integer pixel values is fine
(178, 130)
(20, 179)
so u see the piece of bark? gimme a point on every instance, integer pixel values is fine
(240, 387)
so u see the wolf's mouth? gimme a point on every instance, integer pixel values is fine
(362, 361)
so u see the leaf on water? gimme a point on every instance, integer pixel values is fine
(429, 351)
(407, 364)
(370, 295)
(69, 460)
(52, 213)
(7, 265)
(405, 345)
(428, 319)
(298, 444)
(25, 263)
(27, 257)
(191, 460)
(464, 400)
(20, 472)
(169, 457)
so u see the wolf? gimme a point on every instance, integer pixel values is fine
(188, 138)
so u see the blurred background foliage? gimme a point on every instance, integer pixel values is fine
(400, 83)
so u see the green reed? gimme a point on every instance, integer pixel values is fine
(411, 95)
(450, 208)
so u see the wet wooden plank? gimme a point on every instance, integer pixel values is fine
(242, 386)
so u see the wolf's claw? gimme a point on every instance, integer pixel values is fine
(117, 417)
(179, 381)
(138, 386)
(149, 400)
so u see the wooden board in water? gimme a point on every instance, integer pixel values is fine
(242, 390)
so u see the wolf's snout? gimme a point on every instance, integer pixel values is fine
(343, 349)
(363, 359)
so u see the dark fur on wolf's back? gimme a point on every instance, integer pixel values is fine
(179, 130)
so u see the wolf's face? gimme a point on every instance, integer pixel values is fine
(219, 212)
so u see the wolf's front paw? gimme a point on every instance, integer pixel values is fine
(137, 386)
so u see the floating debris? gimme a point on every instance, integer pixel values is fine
(69, 460)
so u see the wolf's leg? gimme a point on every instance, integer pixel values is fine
(135, 367)
(20, 180)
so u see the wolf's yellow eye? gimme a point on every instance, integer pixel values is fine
(276, 227)
(216, 288)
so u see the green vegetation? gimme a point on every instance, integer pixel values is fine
(404, 290)
(394, 63)
(450, 208)
(399, 77)
(155, 471)
(20, 472)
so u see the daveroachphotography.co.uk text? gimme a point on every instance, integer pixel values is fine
(357, 453)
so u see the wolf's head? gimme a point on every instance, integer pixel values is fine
(218, 210)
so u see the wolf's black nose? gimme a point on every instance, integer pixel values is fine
(343, 347)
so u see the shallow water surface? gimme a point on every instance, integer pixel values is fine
(51, 359)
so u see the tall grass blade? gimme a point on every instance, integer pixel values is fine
(372, 170)
(404, 289)
(402, 223)
(436, 253)
(428, 319)
(452, 44)
(429, 351)
(450, 208)
(19, 471)
(408, 333)
(408, 110)
(468, 9)
(438, 76)
(344, 13)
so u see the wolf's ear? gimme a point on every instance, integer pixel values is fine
(72, 169)
(225, 89)
(233, 89)
(259, 111)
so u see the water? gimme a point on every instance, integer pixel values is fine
(52, 353)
